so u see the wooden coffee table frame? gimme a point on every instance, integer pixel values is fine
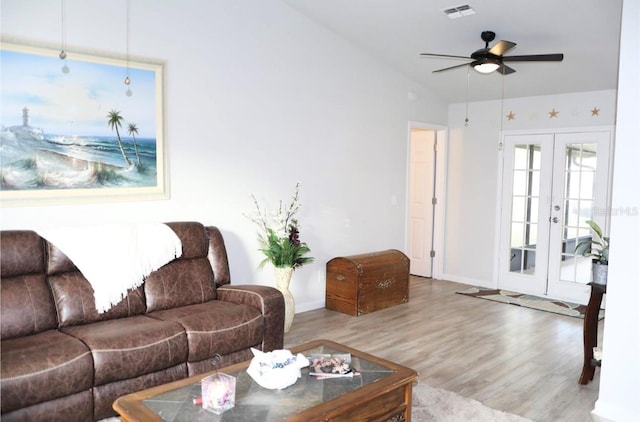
(387, 399)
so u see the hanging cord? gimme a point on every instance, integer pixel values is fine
(63, 35)
(63, 38)
(466, 112)
(501, 112)
(127, 80)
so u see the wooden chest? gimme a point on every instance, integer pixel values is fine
(360, 284)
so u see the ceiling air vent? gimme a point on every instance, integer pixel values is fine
(459, 11)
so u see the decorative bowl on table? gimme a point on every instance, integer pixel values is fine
(277, 369)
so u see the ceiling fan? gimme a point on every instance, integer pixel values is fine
(487, 60)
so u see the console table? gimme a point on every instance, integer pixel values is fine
(590, 334)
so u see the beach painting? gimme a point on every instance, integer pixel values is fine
(79, 127)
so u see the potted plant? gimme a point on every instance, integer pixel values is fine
(596, 247)
(279, 240)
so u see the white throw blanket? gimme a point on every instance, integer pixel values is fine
(116, 258)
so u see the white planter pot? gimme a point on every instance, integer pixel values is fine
(283, 278)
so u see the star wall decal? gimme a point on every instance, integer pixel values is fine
(553, 113)
(595, 111)
(511, 116)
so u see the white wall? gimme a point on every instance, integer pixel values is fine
(619, 392)
(474, 161)
(257, 98)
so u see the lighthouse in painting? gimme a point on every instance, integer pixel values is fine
(25, 117)
(22, 133)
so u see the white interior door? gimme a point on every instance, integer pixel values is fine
(420, 203)
(552, 184)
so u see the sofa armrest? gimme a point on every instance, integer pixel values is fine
(269, 301)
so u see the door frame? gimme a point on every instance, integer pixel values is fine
(442, 139)
(499, 198)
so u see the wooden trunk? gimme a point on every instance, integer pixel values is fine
(360, 284)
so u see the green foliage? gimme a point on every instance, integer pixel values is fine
(283, 252)
(281, 246)
(597, 246)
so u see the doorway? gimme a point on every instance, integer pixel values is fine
(427, 146)
(552, 183)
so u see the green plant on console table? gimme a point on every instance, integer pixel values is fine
(597, 247)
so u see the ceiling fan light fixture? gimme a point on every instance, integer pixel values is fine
(486, 67)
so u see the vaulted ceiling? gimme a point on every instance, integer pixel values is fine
(395, 32)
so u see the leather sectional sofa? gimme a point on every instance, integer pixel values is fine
(62, 360)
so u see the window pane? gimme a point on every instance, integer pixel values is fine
(536, 157)
(535, 183)
(518, 212)
(517, 235)
(520, 182)
(534, 210)
(520, 157)
(532, 232)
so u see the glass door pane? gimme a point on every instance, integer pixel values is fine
(580, 165)
(524, 208)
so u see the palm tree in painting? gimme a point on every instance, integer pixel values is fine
(133, 131)
(115, 121)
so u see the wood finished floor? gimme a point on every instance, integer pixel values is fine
(514, 359)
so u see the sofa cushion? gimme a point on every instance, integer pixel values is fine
(129, 347)
(43, 367)
(218, 257)
(21, 252)
(216, 327)
(26, 306)
(104, 395)
(193, 237)
(75, 407)
(75, 302)
(182, 282)
(57, 261)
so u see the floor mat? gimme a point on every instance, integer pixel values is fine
(529, 301)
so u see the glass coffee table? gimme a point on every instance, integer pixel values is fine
(382, 392)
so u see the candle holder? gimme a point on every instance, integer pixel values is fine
(218, 393)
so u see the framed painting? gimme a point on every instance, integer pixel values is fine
(80, 127)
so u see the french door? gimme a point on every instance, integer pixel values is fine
(552, 184)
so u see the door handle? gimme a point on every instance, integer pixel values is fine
(554, 219)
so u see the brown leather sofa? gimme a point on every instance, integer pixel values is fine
(62, 360)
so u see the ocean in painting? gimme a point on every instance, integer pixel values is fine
(31, 159)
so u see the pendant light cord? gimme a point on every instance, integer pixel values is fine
(501, 112)
(466, 112)
(63, 33)
(128, 27)
(127, 80)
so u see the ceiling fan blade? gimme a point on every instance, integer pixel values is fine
(501, 47)
(505, 70)
(535, 58)
(445, 55)
(449, 68)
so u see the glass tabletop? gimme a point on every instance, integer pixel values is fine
(257, 404)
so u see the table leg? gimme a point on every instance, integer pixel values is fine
(590, 334)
